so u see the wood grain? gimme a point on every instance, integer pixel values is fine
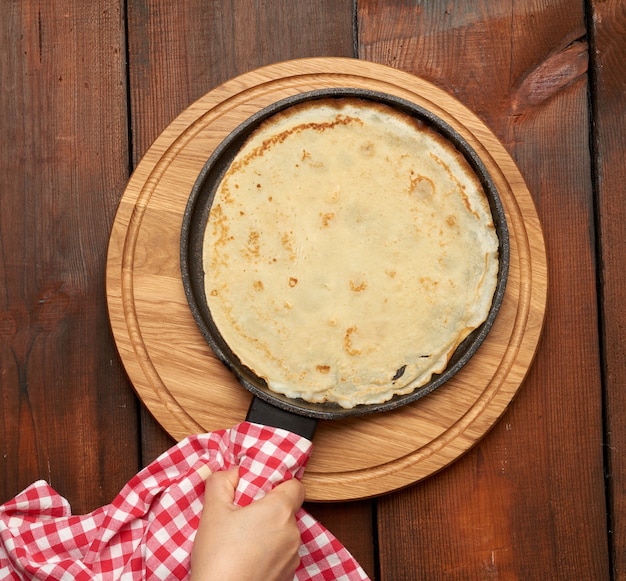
(609, 143)
(62, 169)
(502, 510)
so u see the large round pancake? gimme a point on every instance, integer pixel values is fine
(348, 251)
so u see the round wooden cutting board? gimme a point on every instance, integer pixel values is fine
(189, 391)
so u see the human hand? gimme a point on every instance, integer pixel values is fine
(258, 542)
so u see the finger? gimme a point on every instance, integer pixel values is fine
(220, 488)
(292, 491)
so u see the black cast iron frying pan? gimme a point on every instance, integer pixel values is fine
(272, 408)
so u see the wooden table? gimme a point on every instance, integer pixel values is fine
(86, 87)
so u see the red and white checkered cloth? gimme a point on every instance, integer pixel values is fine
(147, 532)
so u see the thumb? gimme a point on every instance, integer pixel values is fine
(219, 490)
(290, 493)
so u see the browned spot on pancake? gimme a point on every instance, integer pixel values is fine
(347, 341)
(293, 281)
(258, 285)
(390, 273)
(288, 243)
(253, 245)
(214, 292)
(227, 197)
(357, 288)
(429, 284)
(222, 235)
(326, 218)
(220, 224)
(323, 368)
(451, 221)
(420, 184)
(368, 149)
(312, 163)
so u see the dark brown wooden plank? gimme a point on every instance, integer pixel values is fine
(528, 501)
(609, 141)
(181, 50)
(68, 414)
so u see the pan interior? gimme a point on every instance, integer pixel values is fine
(195, 221)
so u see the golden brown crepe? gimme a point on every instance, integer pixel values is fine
(348, 251)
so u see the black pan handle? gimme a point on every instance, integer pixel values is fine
(261, 412)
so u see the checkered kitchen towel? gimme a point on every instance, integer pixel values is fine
(147, 531)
